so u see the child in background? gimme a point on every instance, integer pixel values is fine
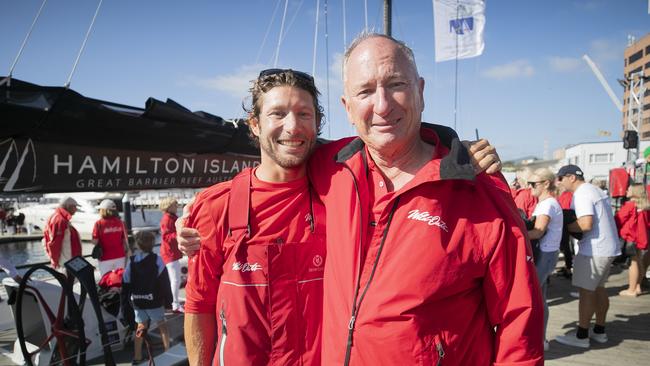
(146, 282)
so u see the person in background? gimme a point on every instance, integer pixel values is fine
(632, 224)
(524, 199)
(169, 249)
(566, 243)
(597, 249)
(109, 233)
(60, 239)
(547, 230)
(146, 284)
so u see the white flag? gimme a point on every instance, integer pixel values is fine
(459, 28)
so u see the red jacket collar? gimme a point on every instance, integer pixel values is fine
(447, 163)
(65, 214)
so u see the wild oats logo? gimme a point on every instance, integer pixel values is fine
(18, 166)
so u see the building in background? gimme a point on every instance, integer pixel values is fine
(596, 158)
(637, 59)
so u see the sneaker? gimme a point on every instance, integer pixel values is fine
(598, 337)
(179, 310)
(570, 339)
(575, 294)
(546, 345)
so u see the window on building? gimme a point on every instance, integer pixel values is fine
(647, 51)
(635, 57)
(638, 69)
(600, 158)
(645, 134)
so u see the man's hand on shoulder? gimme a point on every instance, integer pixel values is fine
(484, 156)
(188, 239)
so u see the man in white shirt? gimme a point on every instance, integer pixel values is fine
(596, 252)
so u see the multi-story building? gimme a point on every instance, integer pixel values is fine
(637, 60)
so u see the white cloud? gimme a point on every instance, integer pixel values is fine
(565, 64)
(235, 84)
(514, 69)
(603, 50)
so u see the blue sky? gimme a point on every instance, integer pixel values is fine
(530, 84)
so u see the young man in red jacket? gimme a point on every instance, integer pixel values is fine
(256, 283)
(60, 238)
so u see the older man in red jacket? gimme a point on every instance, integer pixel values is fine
(61, 239)
(427, 263)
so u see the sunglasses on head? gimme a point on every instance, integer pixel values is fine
(299, 74)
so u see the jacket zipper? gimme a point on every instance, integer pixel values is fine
(441, 353)
(355, 304)
(224, 335)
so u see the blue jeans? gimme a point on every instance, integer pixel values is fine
(545, 266)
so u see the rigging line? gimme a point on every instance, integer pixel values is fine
(268, 30)
(327, 72)
(22, 47)
(456, 70)
(365, 15)
(277, 49)
(313, 64)
(345, 35)
(435, 75)
(293, 18)
(83, 45)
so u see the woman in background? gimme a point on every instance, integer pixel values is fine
(547, 230)
(632, 224)
(169, 249)
(109, 233)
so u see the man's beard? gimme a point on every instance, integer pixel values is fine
(287, 161)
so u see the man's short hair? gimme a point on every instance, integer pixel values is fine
(68, 201)
(144, 240)
(406, 50)
(283, 77)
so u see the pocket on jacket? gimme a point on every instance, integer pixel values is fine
(432, 351)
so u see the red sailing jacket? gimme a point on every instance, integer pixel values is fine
(625, 219)
(448, 263)
(111, 235)
(525, 201)
(53, 236)
(169, 246)
(632, 224)
(260, 269)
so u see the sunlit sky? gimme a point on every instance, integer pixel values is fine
(529, 86)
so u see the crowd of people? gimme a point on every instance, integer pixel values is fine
(148, 282)
(566, 206)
